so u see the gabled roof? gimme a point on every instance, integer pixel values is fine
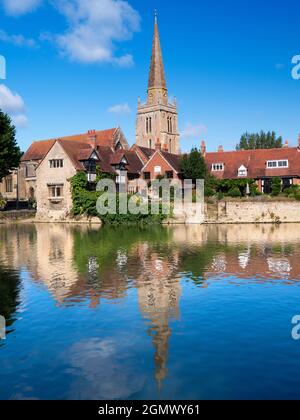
(134, 164)
(104, 138)
(172, 160)
(255, 161)
(143, 153)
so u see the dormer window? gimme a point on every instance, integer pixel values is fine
(242, 172)
(275, 164)
(217, 167)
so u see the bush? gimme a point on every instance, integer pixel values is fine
(234, 192)
(297, 195)
(276, 187)
(3, 202)
(85, 203)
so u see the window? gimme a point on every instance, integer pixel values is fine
(56, 163)
(150, 144)
(217, 167)
(170, 174)
(273, 164)
(56, 191)
(170, 128)
(9, 184)
(157, 169)
(147, 176)
(242, 171)
(148, 125)
(30, 171)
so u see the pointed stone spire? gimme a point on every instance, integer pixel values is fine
(157, 78)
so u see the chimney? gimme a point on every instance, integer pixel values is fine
(203, 148)
(166, 148)
(158, 145)
(286, 145)
(92, 138)
(220, 149)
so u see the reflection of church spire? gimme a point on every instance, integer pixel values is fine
(160, 333)
(158, 295)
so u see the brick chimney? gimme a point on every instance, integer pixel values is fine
(203, 148)
(286, 145)
(92, 138)
(220, 149)
(158, 145)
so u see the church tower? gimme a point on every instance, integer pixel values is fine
(157, 119)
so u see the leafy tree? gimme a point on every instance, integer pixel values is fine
(10, 153)
(276, 187)
(193, 165)
(260, 140)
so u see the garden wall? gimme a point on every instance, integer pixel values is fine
(253, 212)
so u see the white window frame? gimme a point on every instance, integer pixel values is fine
(157, 169)
(217, 167)
(243, 171)
(275, 164)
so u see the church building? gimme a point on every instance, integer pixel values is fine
(157, 119)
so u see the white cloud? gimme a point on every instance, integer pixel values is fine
(20, 7)
(193, 131)
(94, 29)
(18, 40)
(121, 109)
(13, 104)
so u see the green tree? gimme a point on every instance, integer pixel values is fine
(10, 153)
(276, 187)
(193, 165)
(260, 140)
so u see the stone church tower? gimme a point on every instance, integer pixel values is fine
(157, 120)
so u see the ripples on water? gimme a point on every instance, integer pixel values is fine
(117, 313)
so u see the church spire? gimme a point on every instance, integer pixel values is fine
(157, 78)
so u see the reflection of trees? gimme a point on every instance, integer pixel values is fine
(9, 293)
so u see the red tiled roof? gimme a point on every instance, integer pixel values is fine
(173, 160)
(256, 162)
(39, 149)
(134, 165)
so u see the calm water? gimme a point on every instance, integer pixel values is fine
(170, 313)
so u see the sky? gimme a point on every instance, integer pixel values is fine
(77, 65)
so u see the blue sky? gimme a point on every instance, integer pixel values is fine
(75, 65)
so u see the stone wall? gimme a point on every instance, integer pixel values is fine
(254, 212)
(239, 212)
(18, 215)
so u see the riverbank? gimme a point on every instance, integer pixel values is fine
(240, 211)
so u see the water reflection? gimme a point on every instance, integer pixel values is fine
(81, 266)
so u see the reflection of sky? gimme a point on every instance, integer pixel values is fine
(105, 369)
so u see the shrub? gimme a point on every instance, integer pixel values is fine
(297, 195)
(276, 187)
(2, 202)
(85, 203)
(234, 192)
